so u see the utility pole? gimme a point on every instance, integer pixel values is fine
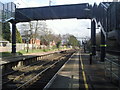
(27, 39)
(50, 2)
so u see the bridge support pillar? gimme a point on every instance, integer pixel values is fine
(93, 37)
(13, 37)
(102, 47)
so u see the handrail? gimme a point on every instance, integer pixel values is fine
(111, 69)
(102, 29)
(12, 18)
(105, 7)
(8, 12)
(112, 62)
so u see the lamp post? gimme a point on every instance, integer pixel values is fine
(50, 2)
(27, 34)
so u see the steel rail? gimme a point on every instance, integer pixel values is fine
(53, 78)
(27, 67)
(42, 56)
(37, 76)
(23, 73)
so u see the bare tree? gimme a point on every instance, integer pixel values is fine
(39, 29)
(33, 25)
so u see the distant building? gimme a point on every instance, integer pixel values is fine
(26, 39)
(35, 41)
(3, 43)
(52, 43)
(32, 41)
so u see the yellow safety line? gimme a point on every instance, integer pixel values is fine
(83, 73)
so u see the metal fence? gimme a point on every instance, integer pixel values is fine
(1, 11)
(112, 69)
(7, 11)
(19, 46)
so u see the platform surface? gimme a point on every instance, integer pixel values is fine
(77, 73)
(68, 77)
(5, 60)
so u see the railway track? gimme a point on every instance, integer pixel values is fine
(23, 68)
(41, 72)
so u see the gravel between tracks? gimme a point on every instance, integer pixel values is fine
(23, 75)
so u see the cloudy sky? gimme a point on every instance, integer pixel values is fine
(76, 27)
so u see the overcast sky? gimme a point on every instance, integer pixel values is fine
(76, 27)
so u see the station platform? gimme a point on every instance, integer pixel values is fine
(5, 60)
(68, 77)
(77, 74)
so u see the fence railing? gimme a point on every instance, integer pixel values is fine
(19, 46)
(7, 11)
(112, 70)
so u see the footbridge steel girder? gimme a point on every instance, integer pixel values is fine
(79, 11)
